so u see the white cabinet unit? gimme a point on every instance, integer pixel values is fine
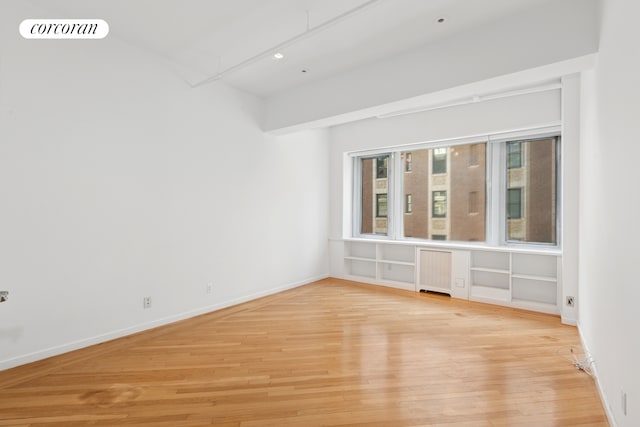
(519, 279)
(490, 275)
(381, 263)
(528, 279)
(534, 279)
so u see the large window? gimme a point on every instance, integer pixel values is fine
(374, 189)
(531, 201)
(502, 191)
(440, 195)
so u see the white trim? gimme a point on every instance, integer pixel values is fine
(356, 207)
(531, 133)
(348, 195)
(436, 143)
(447, 245)
(594, 372)
(98, 339)
(495, 215)
(542, 87)
(551, 132)
(539, 130)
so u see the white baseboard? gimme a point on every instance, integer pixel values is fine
(594, 372)
(76, 345)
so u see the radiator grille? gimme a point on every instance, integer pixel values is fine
(435, 270)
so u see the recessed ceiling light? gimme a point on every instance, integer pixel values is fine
(278, 55)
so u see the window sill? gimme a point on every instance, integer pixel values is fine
(528, 249)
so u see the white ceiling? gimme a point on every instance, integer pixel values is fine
(204, 37)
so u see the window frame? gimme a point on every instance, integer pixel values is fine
(473, 203)
(386, 206)
(445, 196)
(505, 241)
(356, 208)
(384, 168)
(519, 153)
(408, 203)
(408, 162)
(510, 203)
(495, 187)
(440, 161)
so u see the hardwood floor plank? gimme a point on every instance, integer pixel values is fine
(330, 353)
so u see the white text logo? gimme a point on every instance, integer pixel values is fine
(64, 29)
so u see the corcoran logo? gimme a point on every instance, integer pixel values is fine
(64, 29)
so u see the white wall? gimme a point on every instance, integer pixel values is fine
(549, 33)
(117, 181)
(570, 185)
(610, 202)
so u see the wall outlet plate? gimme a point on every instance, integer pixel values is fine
(146, 302)
(571, 301)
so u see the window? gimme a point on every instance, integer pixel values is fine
(473, 203)
(427, 214)
(531, 193)
(514, 155)
(439, 204)
(381, 205)
(374, 184)
(514, 203)
(408, 165)
(439, 162)
(443, 190)
(474, 155)
(381, 167)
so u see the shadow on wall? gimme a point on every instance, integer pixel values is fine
(11, 334)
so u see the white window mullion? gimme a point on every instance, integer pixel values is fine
(397, 197)
(496, 184)
(356, 192)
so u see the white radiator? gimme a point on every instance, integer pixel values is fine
(435, 271)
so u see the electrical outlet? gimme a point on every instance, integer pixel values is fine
(209, 288)
(570, 301)
(146, 302)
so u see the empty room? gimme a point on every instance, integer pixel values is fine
(319, 213)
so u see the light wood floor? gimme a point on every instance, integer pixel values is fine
(330, 353)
